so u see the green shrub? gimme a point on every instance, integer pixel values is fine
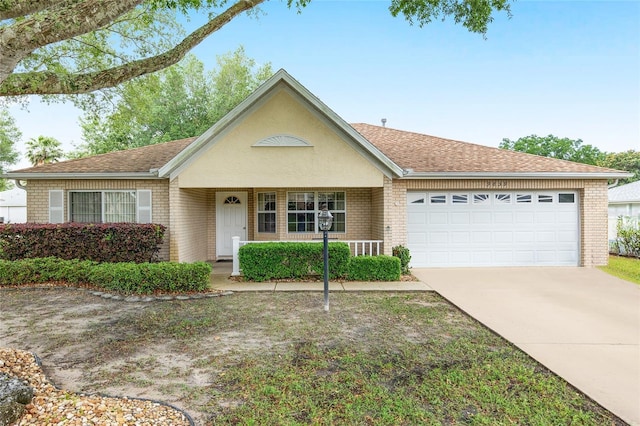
(43, 270)
(628, 239)
(129, 277)
(402, 253)
(279, 260)
(107, 242)
(144, 278)
(374, 268)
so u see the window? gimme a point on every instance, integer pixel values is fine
(416, 198)
(459, 198)
(545, 198)
(267, 212)
(503, 198)
(438, 199)
(481, 199)
(523, 198)
(566, 198)
(102, 206)
(303, 208)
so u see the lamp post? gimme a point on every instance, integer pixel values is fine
(325, 220)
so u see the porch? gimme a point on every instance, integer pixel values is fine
(204, 221)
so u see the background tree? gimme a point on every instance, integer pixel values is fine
(555, 147)
(179, 102)
(627, 160)
(54, 47)
(43, 149)
(9, 135)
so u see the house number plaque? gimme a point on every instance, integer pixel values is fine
(496, 184)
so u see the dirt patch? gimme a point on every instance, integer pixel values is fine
(227, 358)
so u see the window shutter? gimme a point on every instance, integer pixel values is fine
(56, 206)
(144, 206)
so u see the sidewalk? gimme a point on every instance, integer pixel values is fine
(221, 280)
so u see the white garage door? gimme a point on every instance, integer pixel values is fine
(493, 228)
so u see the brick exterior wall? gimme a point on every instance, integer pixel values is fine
(371, 213)
(38, 198)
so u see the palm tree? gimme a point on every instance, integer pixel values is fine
(43, 149)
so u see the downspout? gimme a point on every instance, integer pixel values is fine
(614, 184)
(19, 185)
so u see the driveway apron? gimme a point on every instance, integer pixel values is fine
(581, 323)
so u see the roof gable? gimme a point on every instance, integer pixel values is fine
(281, 80)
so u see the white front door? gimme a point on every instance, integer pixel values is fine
(231, 220)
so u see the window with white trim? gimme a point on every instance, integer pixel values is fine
(267, 212)
(303, 209)
(103, 206)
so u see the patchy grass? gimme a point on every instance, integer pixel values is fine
(627, 268)
(265, 358)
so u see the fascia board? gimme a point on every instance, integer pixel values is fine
(515, 175)
(65, 176)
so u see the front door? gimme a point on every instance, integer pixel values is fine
(231, 221)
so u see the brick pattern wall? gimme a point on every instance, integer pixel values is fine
(592, 198)
(38, 198)
(189, 223)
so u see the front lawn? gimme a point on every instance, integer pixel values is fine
(627, 268)
(278, 358)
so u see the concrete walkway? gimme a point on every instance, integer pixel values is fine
(221, 280)
(581, 323)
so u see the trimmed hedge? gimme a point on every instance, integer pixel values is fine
(268, 261)
(402, 253)
(374, 268)
(140, 278)
(108, 242)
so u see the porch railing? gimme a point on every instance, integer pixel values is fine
(358, 248)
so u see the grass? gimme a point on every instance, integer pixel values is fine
(627, 268)
(264, 358)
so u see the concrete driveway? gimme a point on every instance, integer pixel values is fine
(581, 323)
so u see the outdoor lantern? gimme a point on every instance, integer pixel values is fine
(325, 219)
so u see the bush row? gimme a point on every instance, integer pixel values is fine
(275, 260)
(268, 261)
(109, 242)
(128, 278)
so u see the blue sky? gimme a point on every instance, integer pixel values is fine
(568, 68)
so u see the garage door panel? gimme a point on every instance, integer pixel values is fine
(524, 236)
(525, 217)
(478, 218)
(438, 218)
(503, 217)
(417, 218)
(461, 237)
(460, 218)
(497, 230)
(438, 237)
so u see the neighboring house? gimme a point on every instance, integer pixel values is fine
(13, 206)
(624, 200)
(264, 170)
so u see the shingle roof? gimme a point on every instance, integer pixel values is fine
(136, 160)
(625, 193)
(411, 151)
(430, 154)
